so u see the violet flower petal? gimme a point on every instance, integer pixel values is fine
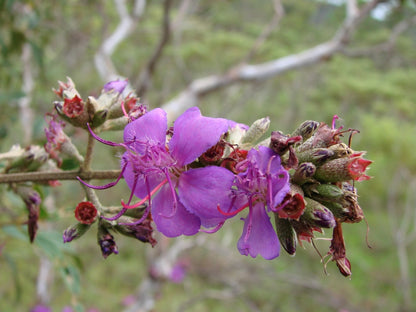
(260, 238)
(183, 222)
(151, 126)
(116, 85)
(201, 190)
(193, 134)
(154, 178)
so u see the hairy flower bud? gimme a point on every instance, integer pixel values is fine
(75, 232)
(32, 200)
(306, 129)
(293, 204)
(344, 169)
(143, 231)
(286, 234)
(317, 214)
(106, 240)
(304, 173)
(316, 156)
(256, 130)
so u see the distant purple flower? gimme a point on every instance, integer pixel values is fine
(262, 182)
(178, 273)
(116, 85)
(41, 308)
(154, 168)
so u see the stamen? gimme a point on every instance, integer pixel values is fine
(172, 189)
(269, 184)
(102, 140)
(123, 108)
(353, 131)
(106, 186)
(127, 206)
(230, 214)
(333, 121)
(118, 215)
(146, 212)
(250, 222)
(214, 230)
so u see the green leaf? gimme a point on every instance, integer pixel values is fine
(15, 232)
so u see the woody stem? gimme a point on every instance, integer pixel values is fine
(59, 175)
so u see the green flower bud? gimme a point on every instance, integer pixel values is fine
(286, 234)
(317, 214)
(75, 231)
(306, 129)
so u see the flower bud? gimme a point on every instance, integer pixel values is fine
(85, 213)
(323, 192)
(32, 200)
(143, 231)
(317, 214)
(75, 231)
(214, 154)
(306, 129)
(256, 130)
(293, 204)
(286, 234)
(106, 240)
(337, 251)
(30, 160)
(304, 173)
(316, 156)
(344, 169)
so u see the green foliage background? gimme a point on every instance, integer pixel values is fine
(374, 94)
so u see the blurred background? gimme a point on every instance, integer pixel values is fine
(308, 60)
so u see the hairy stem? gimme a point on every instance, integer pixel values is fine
(59, 175)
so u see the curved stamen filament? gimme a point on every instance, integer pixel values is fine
(269, 184)
(118, 215)
(146, 212)
(233, 213)
(214, 230)
(250, 222)
(127, 206)
(106, 186)
(175, 201)
(123, 108)
(334, 119)
(100, 139)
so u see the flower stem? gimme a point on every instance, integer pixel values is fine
(59, 175)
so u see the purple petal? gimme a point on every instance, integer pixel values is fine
(151, 126)
(154, 178)
(280, 187)
(193, 134)
(202, 190)
(183, 222)
(262, 158)
(259, 237)
(116, 85)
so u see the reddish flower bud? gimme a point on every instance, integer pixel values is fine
(213, 155)
(293, 204)
(337, 251)
(235, 157)
(73, 107)
(344, 169)
(85, 212)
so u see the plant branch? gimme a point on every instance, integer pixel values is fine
(246, 72)
(59, 175)
(146, 74)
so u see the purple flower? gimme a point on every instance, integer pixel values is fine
(116, 85)
(40, 308)
(262, 182)
(154, 168)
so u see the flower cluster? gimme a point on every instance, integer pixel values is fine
(194, 176)
(322, 195)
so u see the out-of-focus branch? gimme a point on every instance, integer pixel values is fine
(147, 72)
(245, 72)
(26, 113)
(103, 61)
(279, 12)
(386, 46)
